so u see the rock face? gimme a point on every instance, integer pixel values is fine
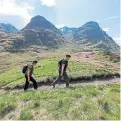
(43, 37)
(41, 32)
(10, 42)
(7, 28)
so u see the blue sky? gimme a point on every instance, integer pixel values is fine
(72, 13)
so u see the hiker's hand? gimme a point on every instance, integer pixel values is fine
(28, 79)
(28, 76)
(61, 74)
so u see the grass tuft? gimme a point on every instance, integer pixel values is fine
(26, 115)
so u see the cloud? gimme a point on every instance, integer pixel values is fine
(48, 3)
(106, 29)
(11, 7)
(117, 40)
(108, 18)
(60, 26)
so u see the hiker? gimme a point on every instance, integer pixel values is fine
(63, 65)
(28, 71)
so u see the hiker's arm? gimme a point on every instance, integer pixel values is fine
(28, 75)
(62, 69)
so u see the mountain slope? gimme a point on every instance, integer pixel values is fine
(10, 42)
(41, 32)
(90, 30)
(7, 28)
(93, 36)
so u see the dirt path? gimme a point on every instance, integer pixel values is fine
(83, 83)
(72, 84)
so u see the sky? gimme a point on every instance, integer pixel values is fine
(71, 13)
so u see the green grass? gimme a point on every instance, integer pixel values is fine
(81, 103)
(49, 68)
(7, 106)
(25, 115)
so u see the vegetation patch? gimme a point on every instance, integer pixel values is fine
(77, 103)
(6, 107)
(26, 115)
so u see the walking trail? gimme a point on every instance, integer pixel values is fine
(72, 84)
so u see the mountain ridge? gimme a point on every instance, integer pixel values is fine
(39, 33)
(92, 36)
(8, 28)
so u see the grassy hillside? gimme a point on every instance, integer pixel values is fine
(94, 65)
(81, 103)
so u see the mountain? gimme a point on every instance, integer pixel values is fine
(90, 31)
(39, 22)
(9, 42)
(39, 34)
(66, 30)
(8, 28)
(90, 36)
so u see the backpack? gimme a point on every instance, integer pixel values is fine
(60, 63)
(24, 69)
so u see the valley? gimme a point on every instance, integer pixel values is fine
(94, 75)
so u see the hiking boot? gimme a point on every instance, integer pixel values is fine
(67, 86)
(36, 89)
(53, 85)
